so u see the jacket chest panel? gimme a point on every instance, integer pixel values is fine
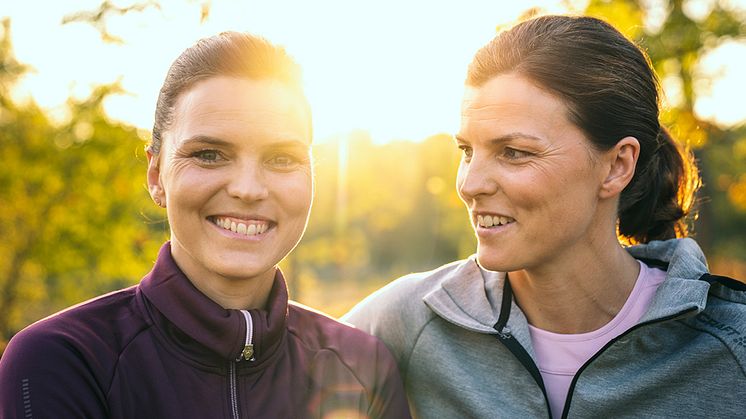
(660, 370)
(460, 373)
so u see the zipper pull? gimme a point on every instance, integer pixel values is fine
(504, 333)
(247, 353)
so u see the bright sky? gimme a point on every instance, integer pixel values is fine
(394, 68)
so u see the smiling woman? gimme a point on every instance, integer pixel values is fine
(209, 332)
(234, 174)
(564, 159)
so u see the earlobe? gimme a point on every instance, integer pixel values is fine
(622, 159)
(154, 180)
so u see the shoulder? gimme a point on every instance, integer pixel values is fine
(402, 299)
(397, 313)
(336, 347)
(318, 331)
(348, 368)
(93, 330)
(70, 357)
(724, 316)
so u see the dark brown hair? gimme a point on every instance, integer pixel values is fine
(611, 92)
(231, 54)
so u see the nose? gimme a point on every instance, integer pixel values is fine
(475, 179)
(248, 182)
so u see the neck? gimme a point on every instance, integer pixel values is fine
(229, 293)
(579, 292)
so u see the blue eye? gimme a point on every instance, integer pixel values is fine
(207, 156)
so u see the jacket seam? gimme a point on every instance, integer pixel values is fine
(722, 342)
(414, 344)
(723, 298)
(115, 367)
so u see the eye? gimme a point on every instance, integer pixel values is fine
(207, 156)
(283, 162)
(468, 151)
(514, 154)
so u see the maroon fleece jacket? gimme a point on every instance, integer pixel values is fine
(162, 349)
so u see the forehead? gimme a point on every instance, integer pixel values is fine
(510, 102)
(241, 108)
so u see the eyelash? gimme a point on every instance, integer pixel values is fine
(466, 150)
(291, 161)
(200, 155)
(508, 153)
(520, 153)
(275, 161)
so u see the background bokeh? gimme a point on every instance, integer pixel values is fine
(76, 220)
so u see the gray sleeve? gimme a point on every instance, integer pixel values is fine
(395, 314)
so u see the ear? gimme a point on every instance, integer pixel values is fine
(621, 160)
(155, 187)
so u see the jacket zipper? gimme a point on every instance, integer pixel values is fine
(515, 347)
(570, 391)
(246, 354)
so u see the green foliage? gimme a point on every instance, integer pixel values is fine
(74, 206)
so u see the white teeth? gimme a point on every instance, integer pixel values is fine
(488, 221)
(242, 228)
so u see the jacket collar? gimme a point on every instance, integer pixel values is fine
(468, 297)
(682, 291)
(203, 328)
(471, 297)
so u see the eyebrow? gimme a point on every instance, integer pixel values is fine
(207, 139)
(503, 138)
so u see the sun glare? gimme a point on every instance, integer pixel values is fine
(392, 68)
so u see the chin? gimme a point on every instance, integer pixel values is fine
(493, 262)
(241, 271)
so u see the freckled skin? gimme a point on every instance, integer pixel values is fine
(529, 162)
(255, 165)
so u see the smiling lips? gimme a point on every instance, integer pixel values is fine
(488, 221)
(247, 228)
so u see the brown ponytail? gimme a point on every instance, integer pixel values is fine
(655, 204)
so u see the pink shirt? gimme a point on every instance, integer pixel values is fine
(559, 356)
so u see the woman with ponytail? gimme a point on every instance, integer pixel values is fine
(585, 297)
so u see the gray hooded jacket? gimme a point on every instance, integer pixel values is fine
(464, 349)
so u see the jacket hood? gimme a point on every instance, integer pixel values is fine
(471, 297)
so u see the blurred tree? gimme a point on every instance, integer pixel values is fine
(73, 200)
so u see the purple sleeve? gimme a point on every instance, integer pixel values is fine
(43, 374)
(389, 399)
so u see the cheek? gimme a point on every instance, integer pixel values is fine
(295, 191)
